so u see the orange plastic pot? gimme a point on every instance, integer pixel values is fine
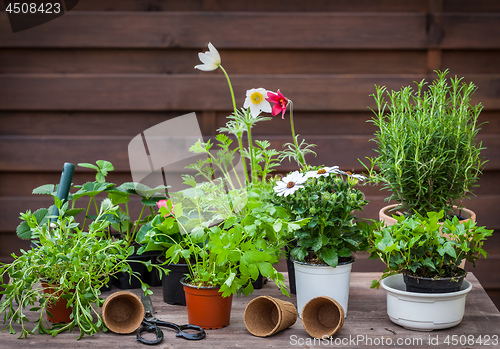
(57, 310)
(206, 307)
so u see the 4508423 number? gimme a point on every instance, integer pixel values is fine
(33, 8)
(455, 340)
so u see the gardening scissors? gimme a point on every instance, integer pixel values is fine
(151, 323)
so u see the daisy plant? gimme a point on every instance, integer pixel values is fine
(329, 198)
(261, 157)
(223, 227)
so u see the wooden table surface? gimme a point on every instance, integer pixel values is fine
(367, 324)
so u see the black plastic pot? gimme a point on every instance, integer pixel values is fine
(431, 285)
(291, 270)
(108, 286)
(173, 292)
(123, 280)
(259, 282)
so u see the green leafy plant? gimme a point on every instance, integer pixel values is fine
(76, 263)
(428, 154)
(328, 199)
(421, 246)
(91, 192)
(221, 251)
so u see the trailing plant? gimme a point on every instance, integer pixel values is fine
(428, 152)
(328, 198)
(421, 246)
(91, 192)
(76, 263)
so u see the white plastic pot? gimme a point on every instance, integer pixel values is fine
(424, 311)
(312, 280)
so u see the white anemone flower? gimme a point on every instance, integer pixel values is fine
(290, 184)
(358, 176)
(323, 172)
(210, 59)
(256, 101)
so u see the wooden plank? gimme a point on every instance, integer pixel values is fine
(84, 123)
(254, 6)
(224, 29)
(188, 92)
(17, 153)
(471, 6)
(236, 61)
(494, 295)
(367, 318)
(195, 29)
(469, 31)
(462, 62)
(131, 123)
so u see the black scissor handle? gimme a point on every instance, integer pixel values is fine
(149, 327)
(191, 336)
(180, 330)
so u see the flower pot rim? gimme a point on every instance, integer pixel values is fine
(466, 287)
(324, 265)
(183, 282)
(384, 212)
(436, 279)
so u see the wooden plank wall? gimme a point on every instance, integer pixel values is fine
(80, 87)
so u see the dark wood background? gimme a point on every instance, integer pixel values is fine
(79, 88)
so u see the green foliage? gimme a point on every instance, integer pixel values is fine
(428, 154)
(77, 263)
(92, 192)
(232, 253)
(421, 246)
(221, 247)
(330, 204)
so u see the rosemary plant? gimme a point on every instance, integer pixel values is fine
(428, 154)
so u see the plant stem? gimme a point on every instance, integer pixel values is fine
(130, 237)
(301, 157)
(250, 149)
(240, 143)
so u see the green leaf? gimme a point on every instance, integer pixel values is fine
(87, 165)
(448, 249)
(23, 231)
(375, 284)
(45, 189)
(329, 256)
(277, 226)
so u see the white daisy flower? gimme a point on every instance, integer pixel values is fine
(290, 184)
(323, 172)
(210, 59)
(256, 101)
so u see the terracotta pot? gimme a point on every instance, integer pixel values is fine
(58, 309)
(385, 214)
(206, 307)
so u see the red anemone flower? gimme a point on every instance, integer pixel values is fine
(280, 103)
